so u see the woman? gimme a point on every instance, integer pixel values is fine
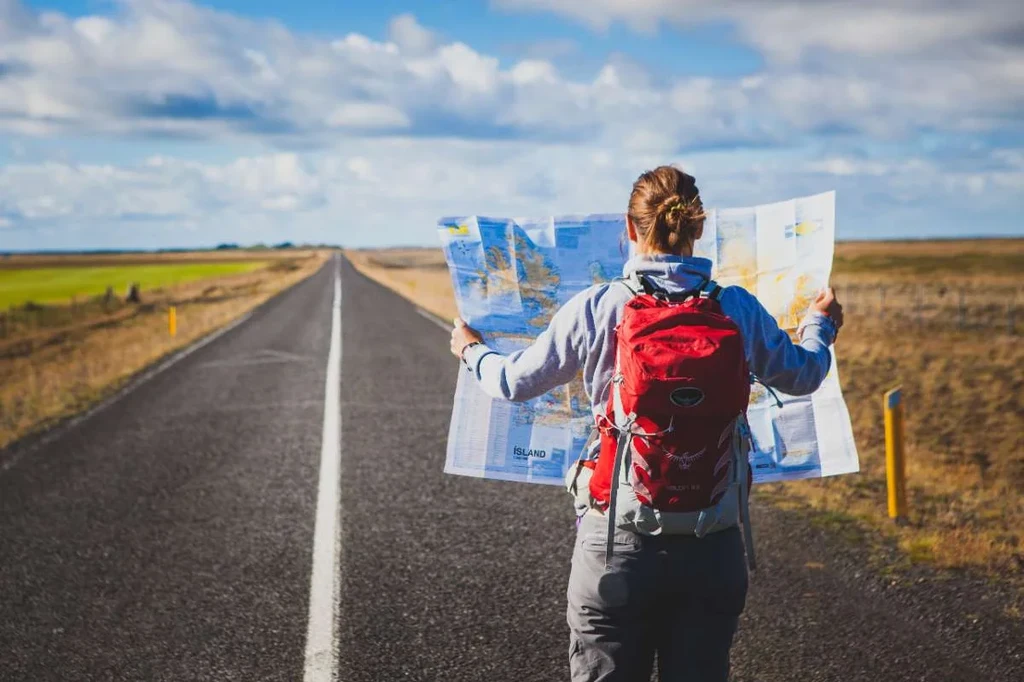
(675, 595)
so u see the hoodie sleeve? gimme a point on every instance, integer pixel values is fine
(553, 359)
(796, 369)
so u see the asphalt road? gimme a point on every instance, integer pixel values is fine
(170, 535)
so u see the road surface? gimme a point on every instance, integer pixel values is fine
(175, 534)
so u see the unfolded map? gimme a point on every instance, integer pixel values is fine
(511, 275)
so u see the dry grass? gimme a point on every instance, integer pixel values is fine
(965, 448)
(50, 374)
(77, 260)
(919, 249)
(965, 436)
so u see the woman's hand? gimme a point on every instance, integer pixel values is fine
(462, 336)
(827, 304)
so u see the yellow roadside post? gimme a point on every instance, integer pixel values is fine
(172, 321)
(895, 464)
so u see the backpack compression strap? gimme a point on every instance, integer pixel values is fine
(745, 437)
(620, 454)
(748, 530)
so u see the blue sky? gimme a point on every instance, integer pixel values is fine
(149, 123)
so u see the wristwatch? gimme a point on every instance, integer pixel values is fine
(469, 345)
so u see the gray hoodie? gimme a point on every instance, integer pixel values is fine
(581, 335)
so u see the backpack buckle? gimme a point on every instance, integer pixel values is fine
(704, 522)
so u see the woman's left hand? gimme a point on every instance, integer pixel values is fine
(462, 336)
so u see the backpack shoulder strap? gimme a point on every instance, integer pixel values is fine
(643, 283)
(633, 283)
(652, 289)
(712, 290)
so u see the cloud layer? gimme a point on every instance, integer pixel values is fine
(169, 67)
(879, 100)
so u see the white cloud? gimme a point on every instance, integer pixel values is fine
(362, 169)
(467, 68)
(367, 115)
(391, 191)
(844, 166)
(534, 71)
(413, 127)
(787, 28)
(410, 36)
(168, 67)
(281, 202)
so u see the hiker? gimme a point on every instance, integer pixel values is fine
(657, 568)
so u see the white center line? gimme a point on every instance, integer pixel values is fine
(321, 634)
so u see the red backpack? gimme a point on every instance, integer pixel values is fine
(674, 439)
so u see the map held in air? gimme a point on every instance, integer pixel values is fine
(511, 275)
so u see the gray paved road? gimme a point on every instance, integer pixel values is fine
(169, 536)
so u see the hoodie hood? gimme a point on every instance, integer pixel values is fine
(673, 273)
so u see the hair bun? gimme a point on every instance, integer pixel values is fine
(677, 211)
(666, 208)
(669, 206)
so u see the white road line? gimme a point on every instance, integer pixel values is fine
(321, 633)
(132, 385)
(435, 319)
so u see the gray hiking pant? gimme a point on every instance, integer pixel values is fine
(677, 596)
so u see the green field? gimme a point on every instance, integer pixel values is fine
(59, 285)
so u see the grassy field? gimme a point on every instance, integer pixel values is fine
(56, 360)
(61, 284)
(960, 362)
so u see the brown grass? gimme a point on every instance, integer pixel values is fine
(77, 260)
(418, 274)
(937, 247)
(962, 387)
(50, 374)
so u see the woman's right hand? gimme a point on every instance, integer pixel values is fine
(462, 336)
(827, 304)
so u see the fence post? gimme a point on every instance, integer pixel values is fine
(881, 301)
(917, 303)
(895, 463)
(1011, 312)
(172, 321)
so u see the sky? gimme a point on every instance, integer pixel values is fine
(168, 123)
